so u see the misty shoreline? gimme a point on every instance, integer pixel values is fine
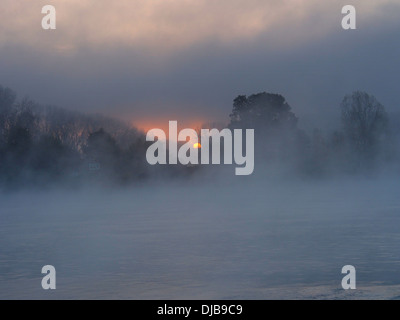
(46, 147)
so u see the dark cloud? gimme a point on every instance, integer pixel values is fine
(201, 81)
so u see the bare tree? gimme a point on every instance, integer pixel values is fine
(7, 101)
(364, 120)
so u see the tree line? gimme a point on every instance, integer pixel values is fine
(43, 145)
(364, 143)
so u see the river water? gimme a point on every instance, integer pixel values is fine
(250, 240)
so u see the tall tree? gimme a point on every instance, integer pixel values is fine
(274, 124)
(102, 148)
(262, 111)
(364, 120)
(7, 100)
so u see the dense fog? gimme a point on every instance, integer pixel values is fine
(78, 193)
(46, 146)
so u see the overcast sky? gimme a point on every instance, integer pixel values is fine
(150, 61)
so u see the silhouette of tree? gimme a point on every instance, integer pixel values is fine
(133, 161)
(19, 143)
(40, 144)
(103, 149)
(262, 111)
(50, 156)
(7, 100)
(275, 125)
(101, 143)
(364, 120)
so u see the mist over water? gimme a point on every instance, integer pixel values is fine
(77, 193)
(256, 238)
(306, 94)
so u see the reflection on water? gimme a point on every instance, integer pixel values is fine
(253, 241)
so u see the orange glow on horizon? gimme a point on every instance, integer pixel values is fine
(147, 125)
